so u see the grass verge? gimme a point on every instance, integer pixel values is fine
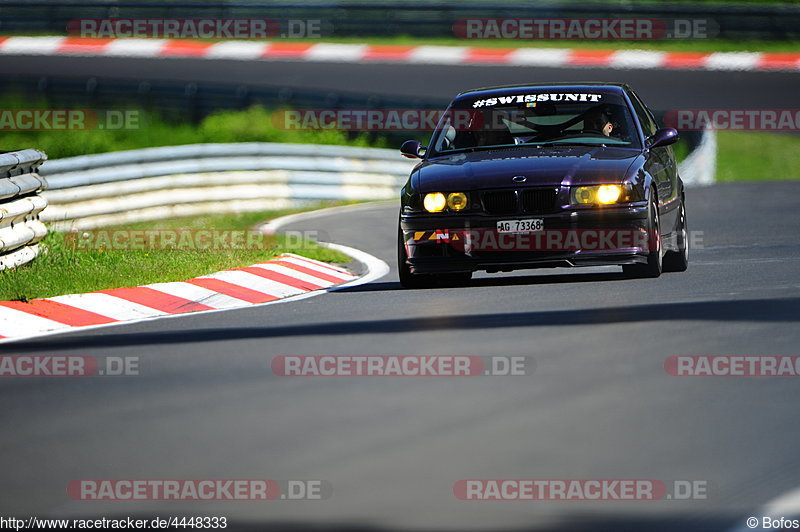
(64, 269)
(757, 156)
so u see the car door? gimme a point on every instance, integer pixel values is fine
(660, 162)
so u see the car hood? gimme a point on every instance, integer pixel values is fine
(557, 165)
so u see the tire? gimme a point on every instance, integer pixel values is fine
(654, 265)
(416, 280)
(407, 279)
(678, 261)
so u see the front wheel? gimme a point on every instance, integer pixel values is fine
(678, 261)
(654, 265)
(408, 279)
(417, 280)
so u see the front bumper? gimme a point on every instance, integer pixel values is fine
(574, 237)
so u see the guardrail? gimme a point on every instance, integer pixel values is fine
(154, 183)
(20, 205)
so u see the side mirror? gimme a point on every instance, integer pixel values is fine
(413, 149)
(662, 137)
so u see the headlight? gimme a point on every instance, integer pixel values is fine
(600, 195)
(608, 193)
(434, 202)
(437, 202)
(457, 201)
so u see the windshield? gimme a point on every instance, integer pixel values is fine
(542, 118)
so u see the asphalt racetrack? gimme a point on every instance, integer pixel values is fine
(597, 402)
(661, 89)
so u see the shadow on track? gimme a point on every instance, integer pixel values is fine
(516, 280)
(740, 310)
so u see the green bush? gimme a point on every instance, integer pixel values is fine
(255, 124)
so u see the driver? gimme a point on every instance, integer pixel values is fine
(597, 121)
(490, 129)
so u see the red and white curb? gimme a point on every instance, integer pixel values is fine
(287, 277)
(364, 53)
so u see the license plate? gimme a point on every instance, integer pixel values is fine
(520, 226)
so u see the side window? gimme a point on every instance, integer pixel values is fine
(648, 124)
(443, 142)
(446, 135)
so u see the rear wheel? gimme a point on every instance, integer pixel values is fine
(654, 265)
(678, 261)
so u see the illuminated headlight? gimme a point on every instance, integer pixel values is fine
(600, 195)
(608, 194)
(457, 201)
(434, 202)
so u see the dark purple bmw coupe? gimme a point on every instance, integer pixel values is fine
(542, 176)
